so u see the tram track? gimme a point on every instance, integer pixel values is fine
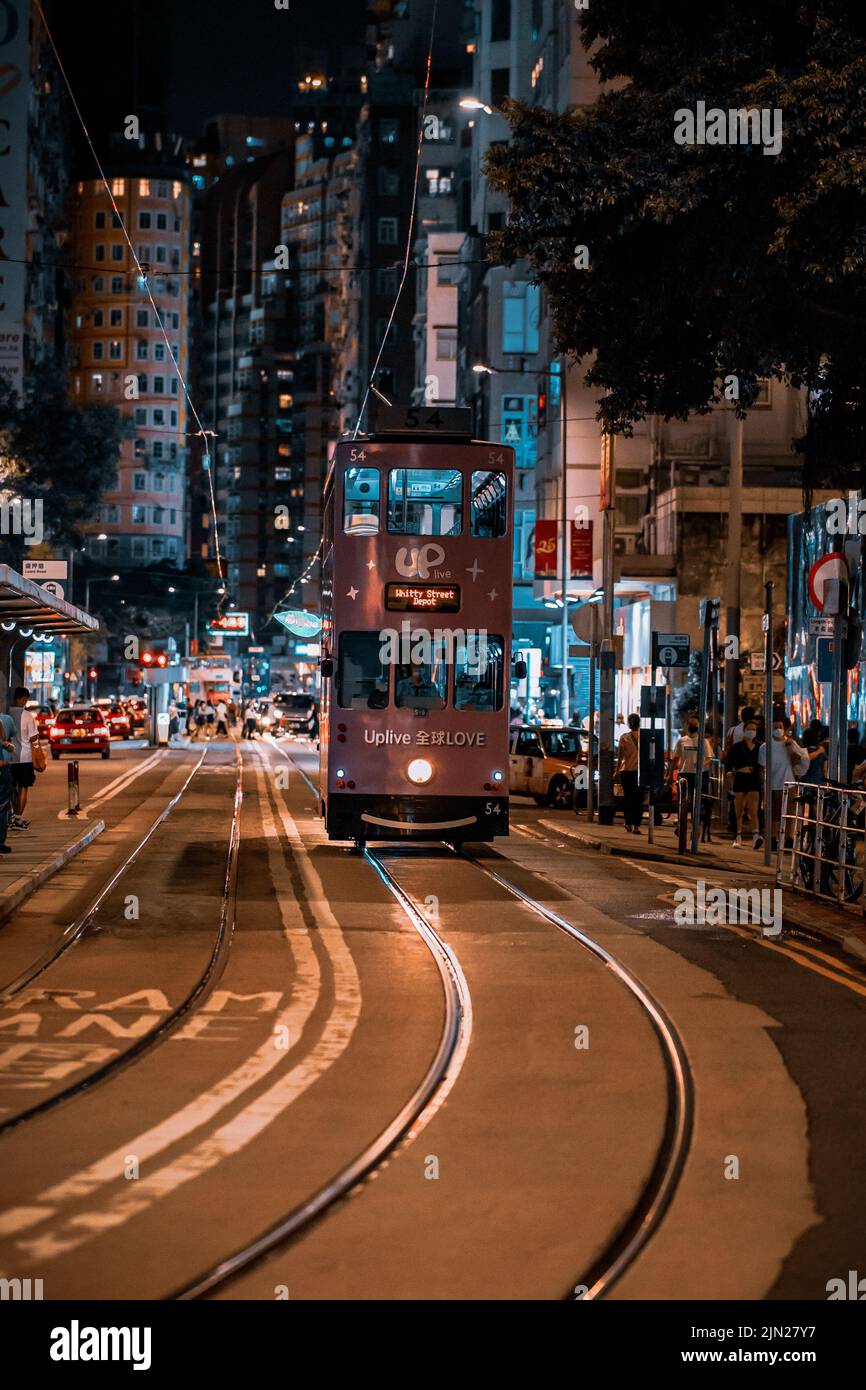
(202, 987)
(407, 1124)
(643, 1219)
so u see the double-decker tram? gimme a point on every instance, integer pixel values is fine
(416, 632)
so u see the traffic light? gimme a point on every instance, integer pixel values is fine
(541, 402)
(147, 658)
(161, 660)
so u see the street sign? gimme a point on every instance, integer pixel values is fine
(236, 624)
(821, 627)
(583, 620)
(647, 702)
(40, 570)
(52, 587)
(825, 659)
(671, 649)
(756, 661)
(827, 567)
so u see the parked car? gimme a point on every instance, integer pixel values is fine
(298, 713)
(80, 729)
(118, 720)
(541, 764)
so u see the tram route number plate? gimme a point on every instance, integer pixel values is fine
(422, 598)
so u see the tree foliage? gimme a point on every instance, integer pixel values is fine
(58, 452)
(706, 260)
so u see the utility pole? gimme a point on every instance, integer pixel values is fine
(564, 698)
(607, 656)
(732, 574)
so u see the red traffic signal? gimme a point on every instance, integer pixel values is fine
(162, 660)
(147, 658)
(93, 673)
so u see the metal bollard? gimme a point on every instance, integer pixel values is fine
(73, 789)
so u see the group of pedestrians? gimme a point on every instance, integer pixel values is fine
(206, 720)
(19, 738)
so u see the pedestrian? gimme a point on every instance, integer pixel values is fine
(628, 764)
(209, 717)
(26, 736)
(742, 761)
(685, 759)
(222, 715)
(816, 739)
(788, 762)
(250, 723)
(7, 789)
(735, 735)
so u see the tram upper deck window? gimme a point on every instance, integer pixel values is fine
(361, 502)
(478, 667)
(489, 504)
(362, 676)
(425, 502)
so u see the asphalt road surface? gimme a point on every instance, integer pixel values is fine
(239, 1062)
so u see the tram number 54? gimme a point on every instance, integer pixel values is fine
(492, 808)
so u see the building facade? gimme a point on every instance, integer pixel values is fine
(129, 347)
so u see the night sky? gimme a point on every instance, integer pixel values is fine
(193, 58)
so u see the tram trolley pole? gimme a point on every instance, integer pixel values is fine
(73, 789)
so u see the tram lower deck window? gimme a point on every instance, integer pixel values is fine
(362, 676)
(478, 667)
(425, 502)
(361, 502)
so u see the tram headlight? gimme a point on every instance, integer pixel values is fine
(497, 776)
(341, 772)
(419, 771)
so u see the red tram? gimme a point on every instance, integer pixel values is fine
(416, 635)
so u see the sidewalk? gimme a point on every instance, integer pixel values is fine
(38, 853)
(842, 927)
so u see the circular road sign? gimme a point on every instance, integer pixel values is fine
(827, 567)
(668, 656)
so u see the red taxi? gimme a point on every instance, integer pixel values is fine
(80, 729)
(118, 720)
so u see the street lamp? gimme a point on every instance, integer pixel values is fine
(476, 104)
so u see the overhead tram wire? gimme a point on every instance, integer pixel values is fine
(142, 278)
(411, 227)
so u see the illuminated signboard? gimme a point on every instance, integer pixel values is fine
(232, 624)
(422, 598)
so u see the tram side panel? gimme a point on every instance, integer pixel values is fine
(419, 746)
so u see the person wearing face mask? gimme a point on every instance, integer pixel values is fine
(742, 761)
(788, 761)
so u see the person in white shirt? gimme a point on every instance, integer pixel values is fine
(22, 769)
(222, 713)
(787, 762)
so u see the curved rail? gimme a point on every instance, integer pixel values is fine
(203, 986)
(422, 1105)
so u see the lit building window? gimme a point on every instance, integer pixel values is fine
(118, 187)
(144, 188)
(285, 402)
(176, 188)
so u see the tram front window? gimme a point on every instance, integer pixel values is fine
(422, 687)
(361, 502)
(362, 676)
(425, 502)
(478, 674)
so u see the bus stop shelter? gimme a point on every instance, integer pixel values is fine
(28, 611)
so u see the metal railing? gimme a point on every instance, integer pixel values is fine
(821, 842)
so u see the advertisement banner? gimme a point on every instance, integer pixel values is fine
(581, 550)
(546, 549)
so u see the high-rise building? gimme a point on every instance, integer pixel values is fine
(129, 343)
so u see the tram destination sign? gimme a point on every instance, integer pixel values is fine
(422, 598)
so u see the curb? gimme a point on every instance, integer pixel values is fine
(794, 914)
(23, 887)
